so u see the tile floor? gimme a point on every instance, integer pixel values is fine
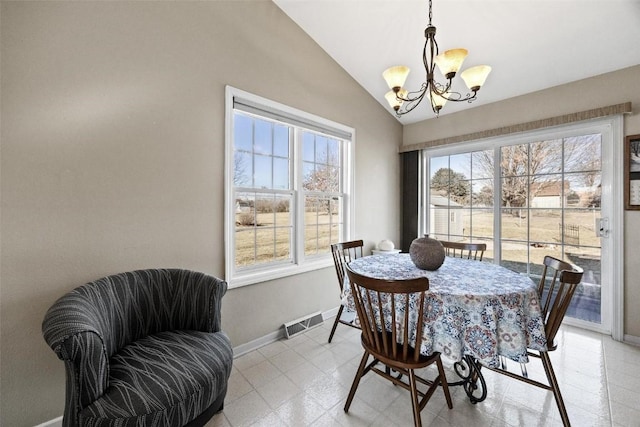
(304, 381)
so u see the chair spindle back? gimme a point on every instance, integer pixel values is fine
(405, 300)
(343, 253)
(555, 293)
(473, 251)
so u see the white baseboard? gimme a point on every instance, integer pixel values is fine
(632, 339)
(56, 422)
(257, 343)
(273, 336)
(330, 314)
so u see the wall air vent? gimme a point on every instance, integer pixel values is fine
(302, 324)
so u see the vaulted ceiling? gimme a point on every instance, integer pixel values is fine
(530, 44)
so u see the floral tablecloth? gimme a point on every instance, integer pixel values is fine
(475, 308)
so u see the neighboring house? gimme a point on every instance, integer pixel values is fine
(242, 206)
(548, 194)
(445, 221)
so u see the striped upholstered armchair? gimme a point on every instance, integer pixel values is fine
(142, 348)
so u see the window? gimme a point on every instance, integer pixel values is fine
(288, 189)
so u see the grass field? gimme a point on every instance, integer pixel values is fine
(546, 236)
(271, 239)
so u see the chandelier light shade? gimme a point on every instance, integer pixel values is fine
(437, 101)
(475, 77)
(396, 76)
(394, 100)
(448, 62)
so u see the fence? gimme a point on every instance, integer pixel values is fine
(569, 234)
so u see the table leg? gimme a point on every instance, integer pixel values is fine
(472, 379)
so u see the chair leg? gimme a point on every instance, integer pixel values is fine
(415, 402)
(335, 322)
(356, 380)
(555, 387)
(443, 382)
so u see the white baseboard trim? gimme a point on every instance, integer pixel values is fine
(257, 343)
(273, 336)
(631, 339)
(56, 422)
(330, 314)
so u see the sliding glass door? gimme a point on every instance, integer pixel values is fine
(530, 196)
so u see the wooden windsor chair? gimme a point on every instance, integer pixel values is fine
(557, 285)
(388, 342)
(344, 253)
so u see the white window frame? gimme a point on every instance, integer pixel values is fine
(299, 119)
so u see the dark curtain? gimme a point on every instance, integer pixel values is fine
(410, 170)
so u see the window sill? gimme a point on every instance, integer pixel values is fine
(253, 277)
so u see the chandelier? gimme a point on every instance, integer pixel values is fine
(449, 62)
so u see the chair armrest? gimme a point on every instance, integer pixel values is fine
(197, 301)
(70, 329)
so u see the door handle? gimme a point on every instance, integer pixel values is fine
(602, 227)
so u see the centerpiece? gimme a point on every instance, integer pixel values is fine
(426, 253)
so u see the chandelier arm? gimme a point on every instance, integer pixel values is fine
(445, 92)
(458, 97)
(440, 89)
(468, 97)
(414, 95)
(408, 106)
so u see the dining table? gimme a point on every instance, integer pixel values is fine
(478, 313)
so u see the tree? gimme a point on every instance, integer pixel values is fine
(324, 178)
(527, 169)
(452, 184)
(240, 165)
(484, 197)
(583, 154)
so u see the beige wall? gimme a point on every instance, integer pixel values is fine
(609, 89)
(112, 160)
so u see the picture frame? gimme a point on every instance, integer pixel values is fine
(632, 172)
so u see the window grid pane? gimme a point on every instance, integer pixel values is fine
(322, 223)
(321, 167)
